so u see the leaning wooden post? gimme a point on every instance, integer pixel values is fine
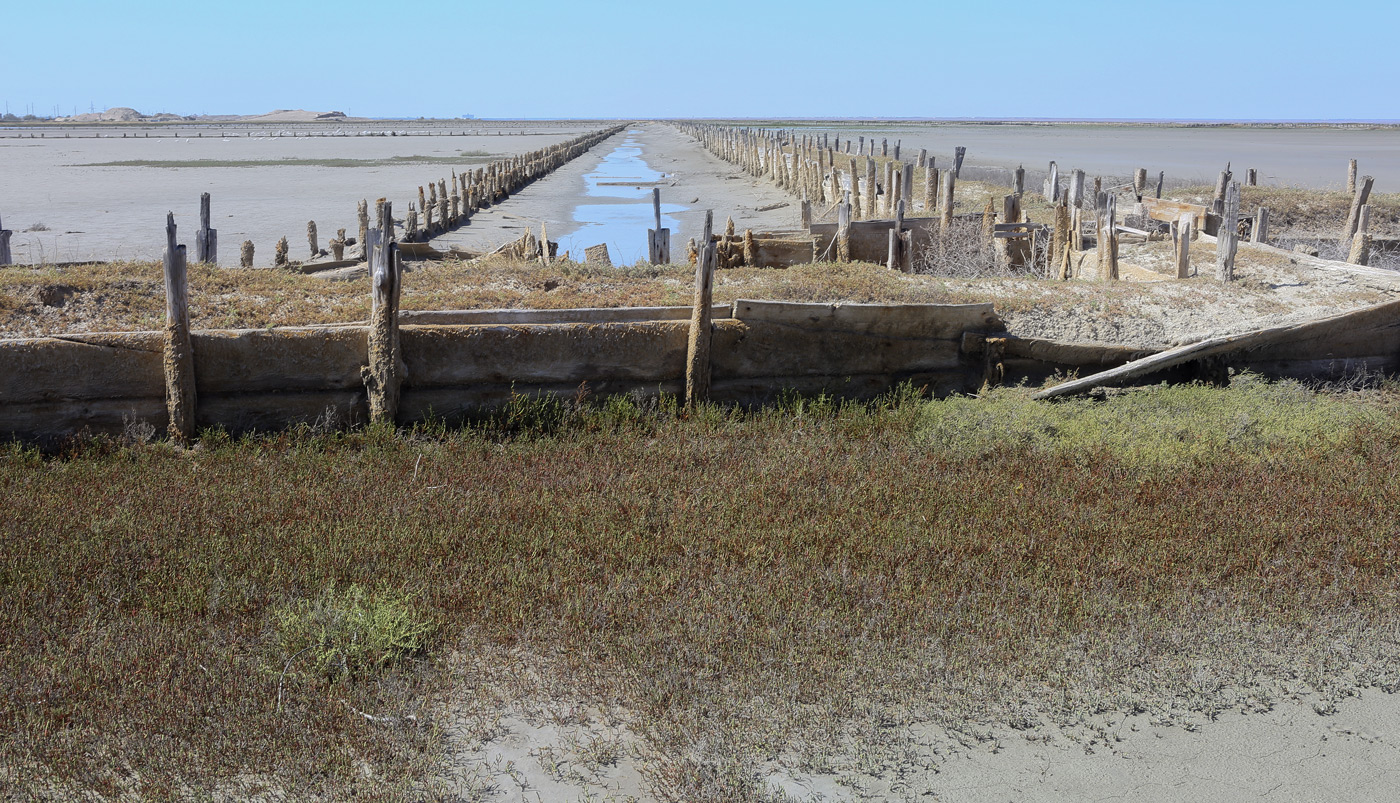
(1260, 233)
(1183, 246)
(958, 154)
(206, 240)
(1228, 238)
(697, 371)
(1161, 177)
(1358, 200)
(384, 373)
(5, 245)
(179, 354)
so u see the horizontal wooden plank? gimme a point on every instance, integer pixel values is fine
(283, 359)
(444, 356)
(894, 320)
(480, 317)
(757, 348)
(1171, 211)
(452, 405)
(45, 421)
(82, 366)
(247, 412)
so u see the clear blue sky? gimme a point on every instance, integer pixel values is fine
(436, 58)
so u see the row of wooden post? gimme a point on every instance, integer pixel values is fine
(449, 203)
(443, 209)
(806, 166)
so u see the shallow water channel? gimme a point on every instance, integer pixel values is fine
(623, 227)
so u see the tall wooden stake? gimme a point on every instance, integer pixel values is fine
(179, 354)
(697, 371)
(384, 374)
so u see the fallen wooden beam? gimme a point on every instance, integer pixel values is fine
(1216, 346)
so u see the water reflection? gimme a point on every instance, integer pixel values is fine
(623, 227)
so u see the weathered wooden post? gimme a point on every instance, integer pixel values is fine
(1251, 178)
(1161, 177)
(658, 239)
(1260, 233)
(384, 373)
(311, 239)
(958, 154)
(1228, 238)
(245, 254)
(1076, 189)
(179, 353)
(1351, 176)
(206, 240)
(362, 211)
(1058, 260)
(923, 157)
(1018, 180)
(896, 259)
(1108, 236)
(1052, 185)
(338, 245)
(1358, 200)
(1361, 241)
(1183, 246)
(5, 234)
(279, 254)
(1140, 183)
(870, 209)
(946, 211)
(907, 185)
(1221, 186)
(843, 231)
(806, 212)
(697, 372)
